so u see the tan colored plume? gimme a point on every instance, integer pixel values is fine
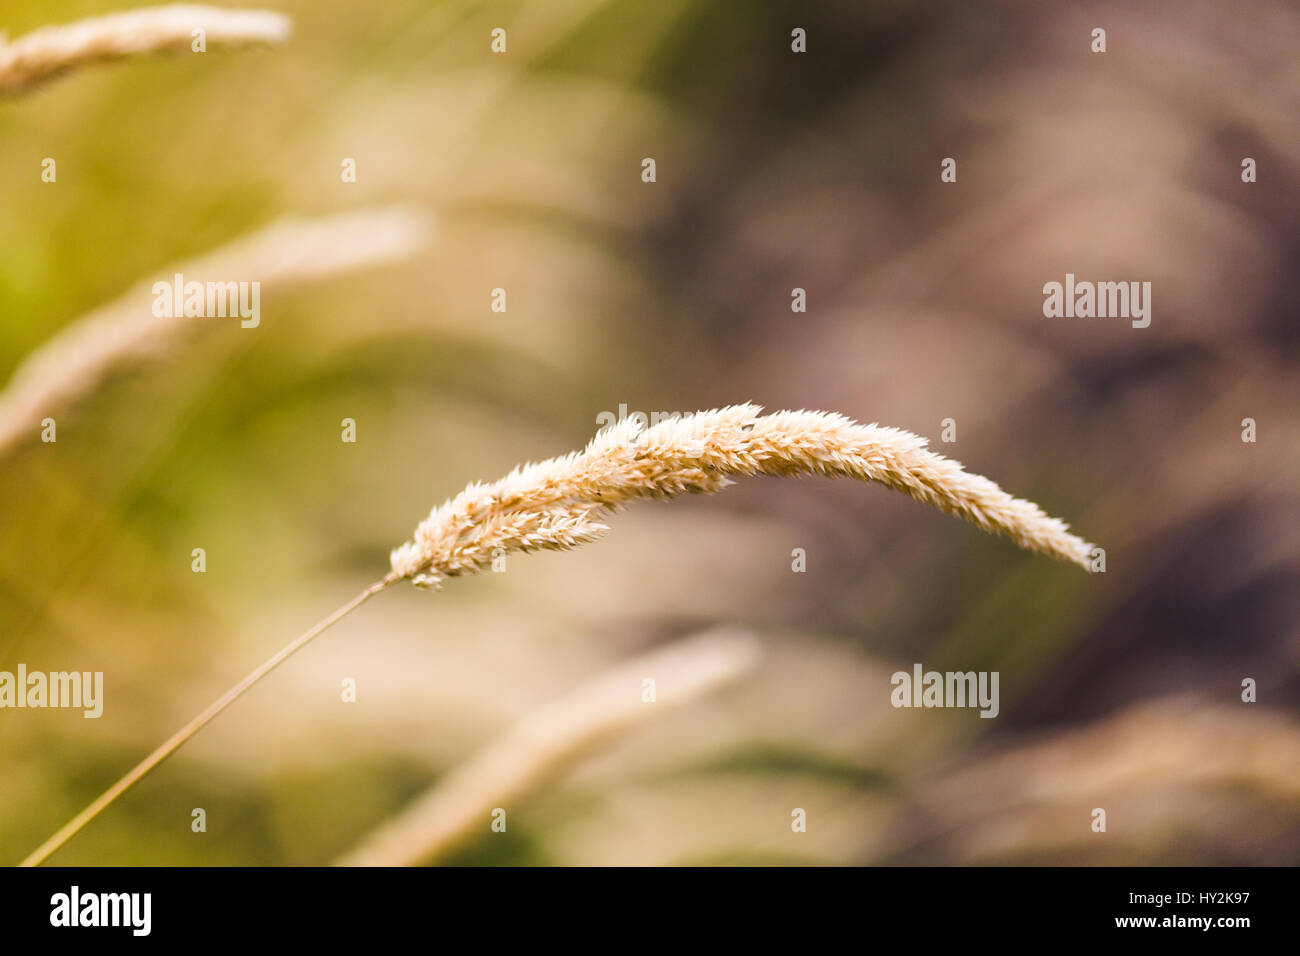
(559, 503)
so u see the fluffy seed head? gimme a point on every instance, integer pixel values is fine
(557, 503)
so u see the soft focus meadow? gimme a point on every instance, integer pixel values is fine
(775, 170)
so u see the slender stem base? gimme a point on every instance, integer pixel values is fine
(166, 749)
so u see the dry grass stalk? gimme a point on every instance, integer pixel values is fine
(49, 52)
(172, 743)
(543, 744)
(558, 503)
(1151, 764)
(285, 253)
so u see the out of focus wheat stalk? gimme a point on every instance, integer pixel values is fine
(284, 254)
(49, 52)
(1027, 800)
(557, 504)
(544, 743)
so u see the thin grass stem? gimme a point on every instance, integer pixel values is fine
(167, 748)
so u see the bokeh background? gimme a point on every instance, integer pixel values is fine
(774, 171)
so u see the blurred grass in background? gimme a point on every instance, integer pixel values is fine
(774, 171)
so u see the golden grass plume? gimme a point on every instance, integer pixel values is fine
(559, 503)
